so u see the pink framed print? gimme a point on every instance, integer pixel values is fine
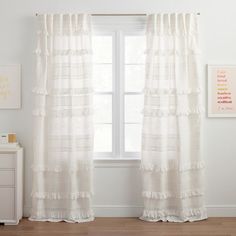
(221, 90)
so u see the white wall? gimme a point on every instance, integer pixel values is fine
(118, 188)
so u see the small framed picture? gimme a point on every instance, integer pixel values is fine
(222, 90)
(10, 86)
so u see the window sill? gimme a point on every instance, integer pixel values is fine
(117, 163)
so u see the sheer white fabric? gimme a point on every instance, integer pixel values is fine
(172, 168)
(63, 129)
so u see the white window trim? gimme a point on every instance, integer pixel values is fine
(117, 163)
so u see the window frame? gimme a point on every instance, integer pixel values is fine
(118, 93)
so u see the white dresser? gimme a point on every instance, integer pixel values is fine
(11, 185)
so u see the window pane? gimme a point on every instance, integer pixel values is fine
(134, 78)
(134, 49)
(102, 108)
(133, 108)
(132, 137)
(102, 49)
(103, 138)
(102, 77)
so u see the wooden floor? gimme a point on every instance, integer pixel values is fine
(123, 226)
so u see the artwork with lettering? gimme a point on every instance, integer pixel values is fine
(221, 91)
(10, 87)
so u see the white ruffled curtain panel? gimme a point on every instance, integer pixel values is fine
(63, 128)
(172, 165)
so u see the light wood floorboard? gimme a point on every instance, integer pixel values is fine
(124, 227)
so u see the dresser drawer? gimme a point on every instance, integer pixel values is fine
(7, 178)
(7, 211)
(7, 160)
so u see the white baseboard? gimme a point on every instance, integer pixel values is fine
(135, 211)
(221, 210)
(117, 210)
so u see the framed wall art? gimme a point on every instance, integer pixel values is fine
(222, 90)
(10, 86)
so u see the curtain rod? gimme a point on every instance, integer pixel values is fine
(128, 14)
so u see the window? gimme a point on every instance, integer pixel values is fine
(118, 75)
